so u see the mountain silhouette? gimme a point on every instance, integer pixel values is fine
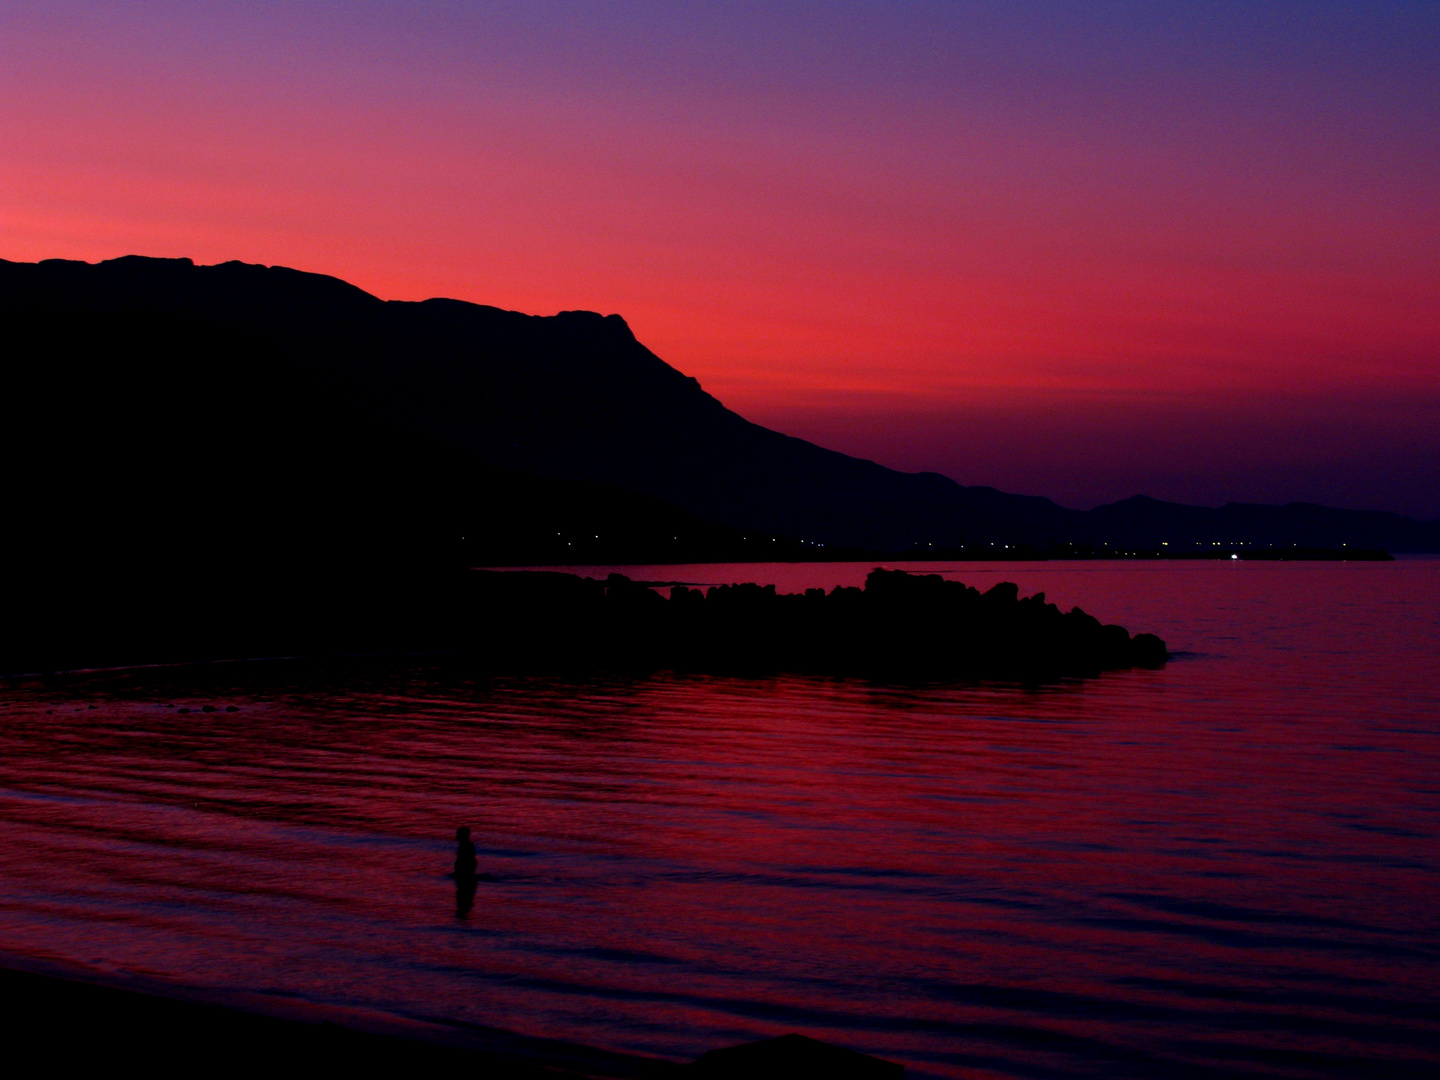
(212, 410)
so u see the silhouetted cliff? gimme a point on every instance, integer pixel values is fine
(294, 409)
(153, 429)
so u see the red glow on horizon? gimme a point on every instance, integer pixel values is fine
(819, 256)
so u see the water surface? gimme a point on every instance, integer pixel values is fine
(1224, 868)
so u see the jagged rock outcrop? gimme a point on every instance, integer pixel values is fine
(899, 624)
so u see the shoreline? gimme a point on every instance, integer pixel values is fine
(59, 1012)
(1015, 553)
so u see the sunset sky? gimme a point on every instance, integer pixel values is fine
(1081, 250)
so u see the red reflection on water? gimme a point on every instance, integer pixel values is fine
(1225, 865)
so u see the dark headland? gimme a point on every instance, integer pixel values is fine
(244, 412)
(899, 624)
(238, 460)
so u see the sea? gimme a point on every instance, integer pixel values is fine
(1229, 867)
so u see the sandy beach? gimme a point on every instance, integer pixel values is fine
(55, 1022)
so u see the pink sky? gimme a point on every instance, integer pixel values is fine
(1062, 253)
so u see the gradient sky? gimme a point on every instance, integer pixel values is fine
(1075, 249)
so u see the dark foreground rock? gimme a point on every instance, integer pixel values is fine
(898, 624)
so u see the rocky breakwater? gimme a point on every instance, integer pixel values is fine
(899, 624)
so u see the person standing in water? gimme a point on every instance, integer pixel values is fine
(464, 871)
(464, 854)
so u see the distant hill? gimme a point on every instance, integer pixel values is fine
(245, 408)
(148, 427)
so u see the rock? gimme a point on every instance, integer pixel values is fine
(1148, 651)
(900, 625)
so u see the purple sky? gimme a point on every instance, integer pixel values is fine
(1083, 250)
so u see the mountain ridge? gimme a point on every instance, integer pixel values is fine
(577, 397)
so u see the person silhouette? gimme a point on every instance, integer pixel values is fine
(464, 853)
(464, 871)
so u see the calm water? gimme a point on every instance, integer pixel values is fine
(1228, 867)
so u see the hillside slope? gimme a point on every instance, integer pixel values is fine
(321, 373)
